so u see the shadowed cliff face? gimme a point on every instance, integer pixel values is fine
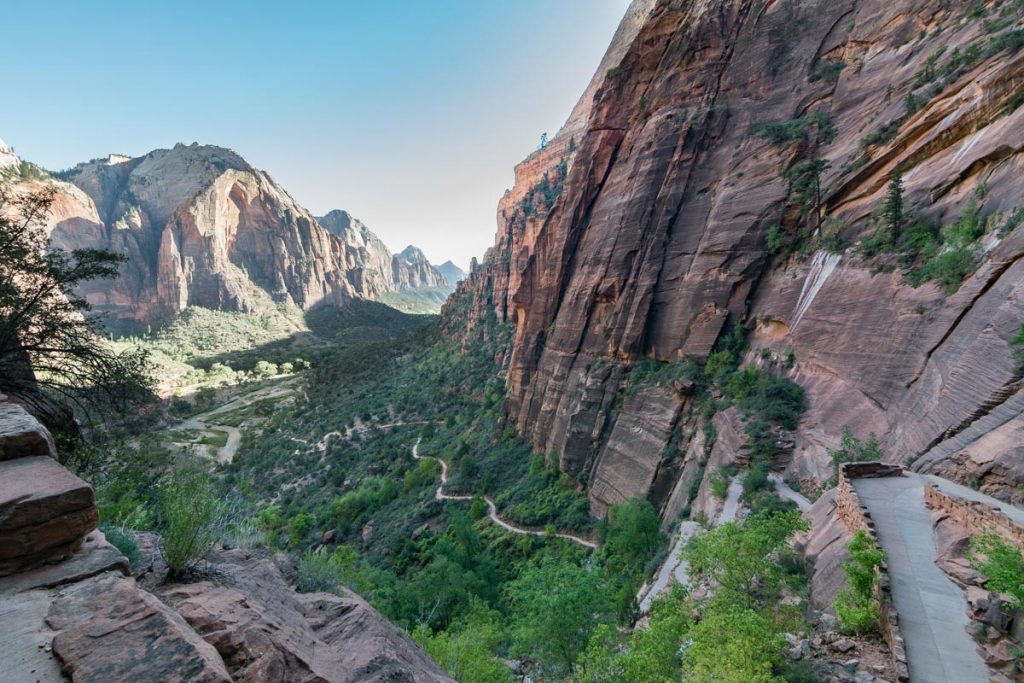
(657, 238)
(202, 227)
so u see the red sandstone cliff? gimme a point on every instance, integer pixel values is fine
(655, 237)
(201, 227)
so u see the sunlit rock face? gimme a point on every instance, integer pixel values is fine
(201, 227)
(657, 240)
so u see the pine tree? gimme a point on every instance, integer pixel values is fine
(894, 205)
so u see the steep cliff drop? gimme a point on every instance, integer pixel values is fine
(730, 163)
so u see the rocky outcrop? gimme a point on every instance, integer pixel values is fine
(267, 632)
(71, 610)
(642, 233)
(8, 160)
(411, 269)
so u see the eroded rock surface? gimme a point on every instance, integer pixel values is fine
(45, 511)
(657, 237)
(267, 632)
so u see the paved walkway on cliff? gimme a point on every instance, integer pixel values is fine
(492, 510)
(932, 609)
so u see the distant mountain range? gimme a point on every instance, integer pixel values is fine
(202, 227)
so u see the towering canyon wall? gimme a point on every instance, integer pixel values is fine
(643, 232)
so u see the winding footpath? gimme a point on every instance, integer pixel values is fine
(492, 510)
(932, 609)
(321, 445)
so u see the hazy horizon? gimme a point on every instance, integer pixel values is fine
(409, 116)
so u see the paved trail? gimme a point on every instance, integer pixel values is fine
(932, 609)
(492, 510)
(783, 489)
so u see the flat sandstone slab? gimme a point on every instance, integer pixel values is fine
(21, 435)
(45, 511)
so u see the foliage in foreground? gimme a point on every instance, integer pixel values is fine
(1001, 564)
(50, 351)
(734, 635)
(856, 605)
(192, 519)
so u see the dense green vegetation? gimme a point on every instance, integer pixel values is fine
(796, 130)
(735, 634)
(421, 300)
(928, 253)
(856, 605)
(1001, 564)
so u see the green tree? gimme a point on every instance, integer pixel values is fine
(51, 349)
(894, 206)
(741, 560)
(630, 536)
(805, 187)
(466, 649)
(856, 605)
(556, 606)
(733, 645)
(648, 655)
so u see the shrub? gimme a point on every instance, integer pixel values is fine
(755, 479)
(852, 449)
(720, 484)
(125, 543)
(191, 519)
(327, 572)
(1001, 564)
(828, 70)
(1017, 346)
(795, 130)
(776, 239)
(856, 605)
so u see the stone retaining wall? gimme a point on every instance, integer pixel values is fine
(975, 517)
(856, 517)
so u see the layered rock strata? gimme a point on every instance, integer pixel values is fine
(643, 233)
(200, 226)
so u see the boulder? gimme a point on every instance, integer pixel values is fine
(21, 435)
(45, 512)
(108, 629)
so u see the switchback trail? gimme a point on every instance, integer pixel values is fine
(492, 510)
(321, 445)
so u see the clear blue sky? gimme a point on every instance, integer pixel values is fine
(410, 114)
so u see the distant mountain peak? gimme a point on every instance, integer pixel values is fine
(452, 273)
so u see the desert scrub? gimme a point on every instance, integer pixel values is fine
(856, 605)
(1001, 564)
(191, 519)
